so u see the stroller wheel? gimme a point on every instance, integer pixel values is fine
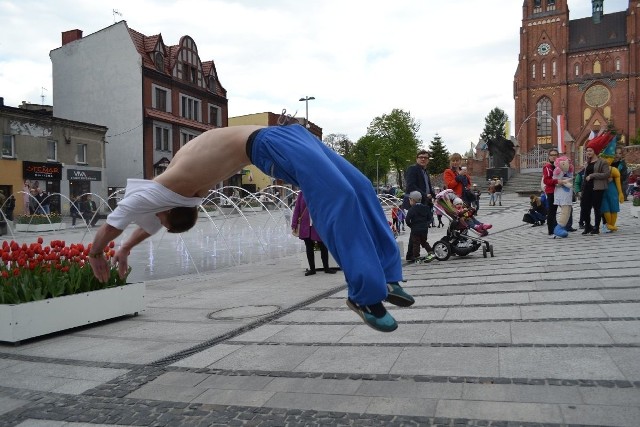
(491, 250)
(484, 251)
(442, 250)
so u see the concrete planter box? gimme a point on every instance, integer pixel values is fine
(32, 319)
(39, 228)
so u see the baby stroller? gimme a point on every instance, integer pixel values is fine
(457, 241)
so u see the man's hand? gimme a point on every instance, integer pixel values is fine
(121, 258)
(100, 268)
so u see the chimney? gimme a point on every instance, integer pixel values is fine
(71, 36)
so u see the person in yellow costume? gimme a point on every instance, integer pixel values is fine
(613, 195)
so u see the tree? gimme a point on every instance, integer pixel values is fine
(494, 125)
(439, 156)
(339, 143)
(396, 134)
(363, 156)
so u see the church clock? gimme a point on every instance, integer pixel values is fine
(544, 48)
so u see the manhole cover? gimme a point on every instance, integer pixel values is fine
(243, 312)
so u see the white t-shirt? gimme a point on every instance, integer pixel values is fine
(143, 199)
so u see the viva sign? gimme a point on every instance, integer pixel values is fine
(83, 175)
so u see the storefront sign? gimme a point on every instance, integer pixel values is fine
(43, 171)
(83, 175)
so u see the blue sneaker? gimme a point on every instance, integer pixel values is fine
(397, 296)
(374, 316)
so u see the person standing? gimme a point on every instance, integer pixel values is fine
(596, 175)
(301, 221)
(457, 178)
(577, 190)
(419, 218)
(621, 165)
(476, 192)
(417, 179)
(549, 188)
(498, 191)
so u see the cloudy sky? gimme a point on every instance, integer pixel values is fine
(448, 63)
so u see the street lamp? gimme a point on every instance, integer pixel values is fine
(306, 100)
(377, 174)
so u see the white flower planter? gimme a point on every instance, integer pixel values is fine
(39, 228)
(32, 319)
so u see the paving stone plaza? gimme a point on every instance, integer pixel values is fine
(545, 333)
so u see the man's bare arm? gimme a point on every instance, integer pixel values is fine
(104, 235)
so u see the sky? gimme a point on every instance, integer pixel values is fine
(447, 63)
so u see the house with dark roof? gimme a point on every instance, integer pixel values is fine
(153, 97)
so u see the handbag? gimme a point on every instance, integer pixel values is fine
(296, 231)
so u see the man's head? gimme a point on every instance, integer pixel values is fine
(589, 153)
(422, 158)
(553, 154)
(179, 219)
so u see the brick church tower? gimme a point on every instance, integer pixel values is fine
(574, 77)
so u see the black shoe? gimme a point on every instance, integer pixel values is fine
(571, 229)
(329, 271)
(581, 226)
(586, 230)
(594, 231)
(309, 272)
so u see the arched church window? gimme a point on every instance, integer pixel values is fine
(544, 70)
(577, 69)
(597, 67)
(617, 65)
(554, 68)
(533, 71)
(544, 120)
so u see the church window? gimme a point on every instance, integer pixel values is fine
(554, 69)
(544, 121)
(617, 65)
(577, 69)
(533, 71)
(544, 70)
(537, 6)
(551, 5)
(597, 67)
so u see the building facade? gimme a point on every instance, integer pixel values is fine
(575, 77)
(154, 98)
(58, 155)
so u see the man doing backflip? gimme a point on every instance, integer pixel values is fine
(360, 242)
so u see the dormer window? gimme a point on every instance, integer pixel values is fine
(159, 60)
(212, 83)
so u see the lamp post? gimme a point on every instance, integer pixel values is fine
(377, 174)
(306, 100)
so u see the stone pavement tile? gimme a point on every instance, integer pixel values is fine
(413, 406)
(64, 371)
(31, 382)
(51, 346)
(621, 294)
(568, 284)
(622, 309)
(490, 332)
(234, 397)
(448, 361)
(627, 332)
(579, 311)
(521, 393)
(560, 333)
(261, 333)
(165, 314)
(507, 286)
(537, 297)
(166, 392)
(5, 363)
(626, 359)
(328, 303)
(618, 282)
(405, 334)
(567, 363)
(410, 389)
(168, 331)
(226, 382)
(179, 378)
(622, 416)
(319, 402)
(314, 316)
(518, 277)
(265, 358)
(500, 411)
(76, 387)
(136, 351)
(357, 360)
(483, 313)
(502, 298)
(204, 358)
(311, 333)
(610, 396)
(445, 289)
(420, 314)
(47, 423)
(8, 404)
(438, 299)
(314, 385)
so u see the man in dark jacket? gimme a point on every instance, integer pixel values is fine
(418, 219)
(417, 179)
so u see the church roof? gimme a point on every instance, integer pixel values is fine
(584, 34)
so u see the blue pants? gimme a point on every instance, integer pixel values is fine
(342, 203)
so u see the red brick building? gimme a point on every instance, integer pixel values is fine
(577, 75)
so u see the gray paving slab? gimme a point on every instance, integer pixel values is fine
(319, 402)
(623, 332)
(314, 385)
(529, 412)
(450, 361)
(560, 333)
(610, 396)
(402, 389)
(483, 313)
(522, 393)
(8, 404)
(402, 406)
(311, 333)
(573, 363)
(491, 332)
(264, 357)
(207, 357)
(621, 310)
(580, 311)
(362, 359)
(601, 415)
(233, 397)
(227, 382)
(626, 359)
(167, 392)
(405, 334)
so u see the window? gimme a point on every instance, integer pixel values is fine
(159, 60)
(577, 68)
(215, 116)
(160, 101)
(544, 121)
(554, 68)
(597, 68)
(551, 5)
(52, 150)
(533, 71)
(81, 156)
(8, 146)
(544, 70)
(186, 136)
(617, 65)
(212, 83)
(193, 75)
(190, 108)
(162, 138)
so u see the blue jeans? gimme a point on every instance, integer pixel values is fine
(345, 209)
